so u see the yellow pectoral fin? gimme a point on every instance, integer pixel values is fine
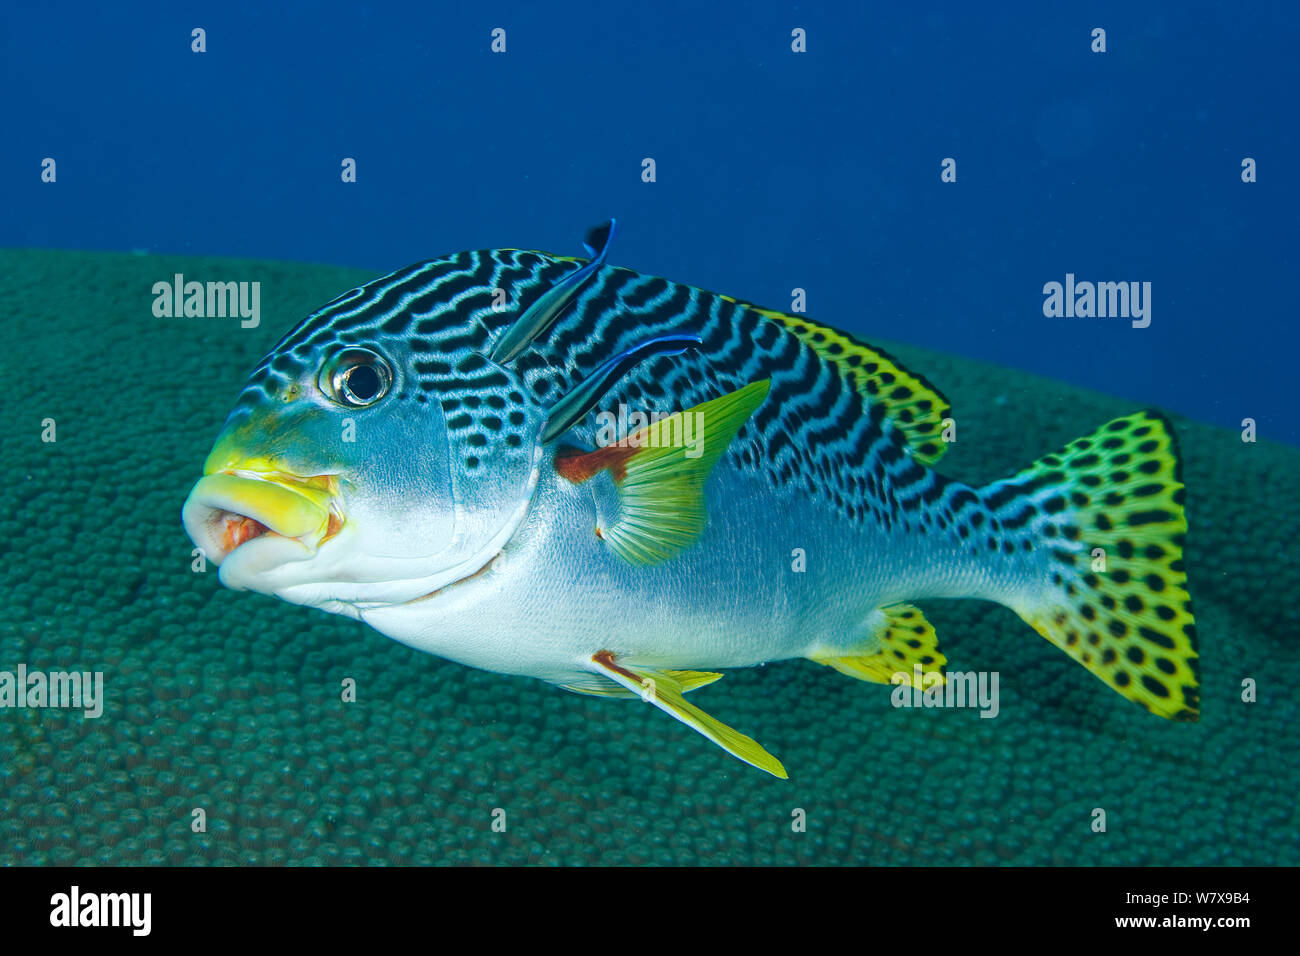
(664, 689)
(660, 472)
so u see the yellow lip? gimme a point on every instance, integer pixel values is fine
(288, 507)
(238, 504)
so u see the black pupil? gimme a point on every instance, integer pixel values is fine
(364, 383)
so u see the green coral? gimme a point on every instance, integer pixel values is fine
(230, 702)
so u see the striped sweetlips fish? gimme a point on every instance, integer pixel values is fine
(434, 453)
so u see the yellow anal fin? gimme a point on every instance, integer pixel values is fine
(660, 471)
(903, 640)
(911, 403)
(598, 686)
(664, 690)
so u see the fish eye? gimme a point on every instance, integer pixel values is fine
(357, 378)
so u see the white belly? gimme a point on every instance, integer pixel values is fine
(557, 594)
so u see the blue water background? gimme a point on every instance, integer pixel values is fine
(775, 170)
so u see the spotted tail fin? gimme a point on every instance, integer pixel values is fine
(1113, 591)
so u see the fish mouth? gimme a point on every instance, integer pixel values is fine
(267, 518)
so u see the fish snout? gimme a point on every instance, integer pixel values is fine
(277, 516)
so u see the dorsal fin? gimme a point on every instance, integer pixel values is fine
(911, 403)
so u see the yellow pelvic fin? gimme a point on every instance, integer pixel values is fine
(664, 690)
(660, 473)
(911, 403)
(598, 686)
(902, 640)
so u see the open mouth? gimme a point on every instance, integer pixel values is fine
(277, 516)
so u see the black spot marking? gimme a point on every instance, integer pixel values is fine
(1155, 637)
(1154, 686)
(1138, 518)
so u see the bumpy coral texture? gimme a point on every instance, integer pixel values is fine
(230, 702)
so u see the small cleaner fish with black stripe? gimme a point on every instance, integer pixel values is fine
(435, 454)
